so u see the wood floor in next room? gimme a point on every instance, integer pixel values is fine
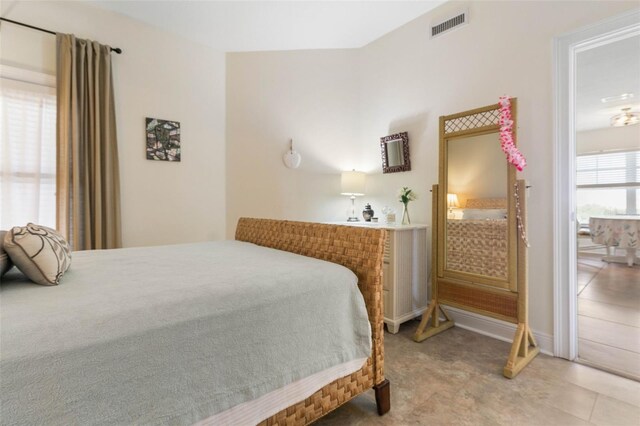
(455, 378)
(609, 314)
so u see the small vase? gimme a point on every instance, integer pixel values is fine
(367, 213)
(406, 220)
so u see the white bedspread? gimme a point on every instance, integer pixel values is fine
(172, 334)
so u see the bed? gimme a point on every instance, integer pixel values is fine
(150, 336)
(477, 241)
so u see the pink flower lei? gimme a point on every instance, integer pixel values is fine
(507, 143)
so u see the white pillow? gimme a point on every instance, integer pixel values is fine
(5, 260)
(41, 253)
(481, 214)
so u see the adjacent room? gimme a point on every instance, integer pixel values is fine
(608, 206)
(331, 212)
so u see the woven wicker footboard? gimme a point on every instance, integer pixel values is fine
(360, 250)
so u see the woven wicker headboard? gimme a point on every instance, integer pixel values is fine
(486, 203)
(357, 248)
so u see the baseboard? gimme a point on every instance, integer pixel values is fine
(495, 328)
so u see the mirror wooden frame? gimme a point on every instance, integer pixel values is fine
(404, 136)
(504, 299)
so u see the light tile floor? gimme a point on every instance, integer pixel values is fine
(455, 378)
(609, 314)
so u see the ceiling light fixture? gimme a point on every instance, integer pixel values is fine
(622, 97)
(626, 118)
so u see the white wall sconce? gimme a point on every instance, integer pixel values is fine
(291, 158)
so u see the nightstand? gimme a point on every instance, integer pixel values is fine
(404, 273)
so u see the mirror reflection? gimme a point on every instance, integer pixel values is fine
(476, 223)
(395, 156)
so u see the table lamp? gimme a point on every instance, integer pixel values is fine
(353, 186)
(452, 203)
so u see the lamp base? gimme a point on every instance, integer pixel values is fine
(353, 217)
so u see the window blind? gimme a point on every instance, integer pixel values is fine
(615, 169)
(27, 154)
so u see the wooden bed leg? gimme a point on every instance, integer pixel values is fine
(383, 396)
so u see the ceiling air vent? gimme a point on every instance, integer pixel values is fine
(449, 24)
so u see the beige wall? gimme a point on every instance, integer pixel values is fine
(608, 139)
(158, 75)
(403, 82)
(310, 96)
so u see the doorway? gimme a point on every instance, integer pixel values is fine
(597, 299)
(607, 196)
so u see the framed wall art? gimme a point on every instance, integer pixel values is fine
(163, 140)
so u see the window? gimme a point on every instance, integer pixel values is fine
(27, 153)
(608, 184)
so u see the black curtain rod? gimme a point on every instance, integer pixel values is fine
(113, 49)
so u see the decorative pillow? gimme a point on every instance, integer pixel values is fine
(480, 214)
(39, 252)
(5, 260)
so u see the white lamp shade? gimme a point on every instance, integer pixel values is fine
(452, 200)
(353, 183)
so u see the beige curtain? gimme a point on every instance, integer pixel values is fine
(88, 183)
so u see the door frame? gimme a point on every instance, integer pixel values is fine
(565, 286)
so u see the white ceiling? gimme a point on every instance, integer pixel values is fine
(240, 25)
(602, 72)
(233, 26)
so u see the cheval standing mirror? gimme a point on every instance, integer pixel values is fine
(479, 255)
